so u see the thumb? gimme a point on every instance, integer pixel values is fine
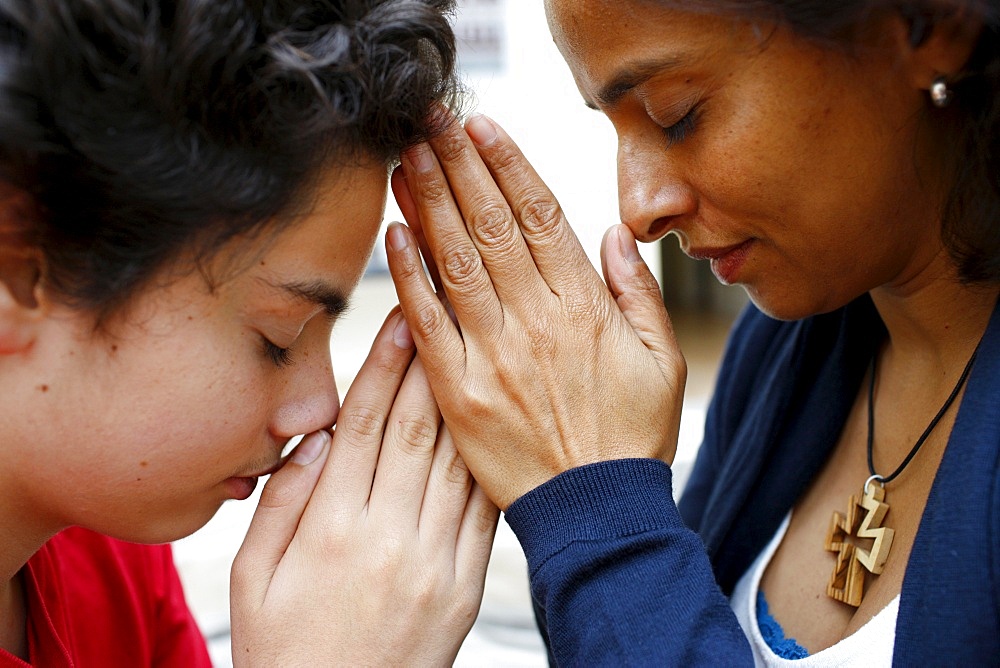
(276, 519)
(638, 295)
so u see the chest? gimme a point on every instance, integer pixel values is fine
(797, 580)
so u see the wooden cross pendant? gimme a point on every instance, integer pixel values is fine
(847, 583)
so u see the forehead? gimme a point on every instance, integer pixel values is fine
(601, 38)
(334, 234)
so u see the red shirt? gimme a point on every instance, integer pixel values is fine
(95, 601)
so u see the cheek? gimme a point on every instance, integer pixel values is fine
(182, 400)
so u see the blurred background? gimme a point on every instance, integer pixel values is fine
(519, 79)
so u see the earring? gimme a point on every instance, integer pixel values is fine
(941, 95)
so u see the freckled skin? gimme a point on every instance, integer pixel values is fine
(828, 167)
(140, 439)
(819, 158)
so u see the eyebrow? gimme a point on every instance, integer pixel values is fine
(632, 76)
(333, 301)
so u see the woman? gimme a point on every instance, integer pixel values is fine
(190, 192)
(839, 162)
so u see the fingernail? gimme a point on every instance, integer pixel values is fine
(420, 159)
(482, 130)
(628, 247)
(396, 236)
(311, 447)
(401, 334)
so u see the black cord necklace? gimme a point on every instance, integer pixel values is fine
(865, 514)
(927, 432)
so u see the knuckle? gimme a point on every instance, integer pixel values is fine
(679, 372)
(276, 497)
(239, 575)
(417, 434)
(505, 158)
(466, 606)
(409, 268)
(540, 213)
(432, 191)
(492, 224)
(477, 405)
(427, 320)
(541, 337)
(335, 538)
(588, 309)
(388, 561)
(455, 471)
(426, 590)
(644, 282)
(648, 288)
(451, 146)
(462, 265)
(485, 520)
(362, 423)
(390, 366)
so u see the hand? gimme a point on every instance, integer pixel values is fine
(548, 368)
(370, 549)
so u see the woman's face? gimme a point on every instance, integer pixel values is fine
(801, 172)
(144, 432)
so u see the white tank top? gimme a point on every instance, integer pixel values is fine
(871, 645)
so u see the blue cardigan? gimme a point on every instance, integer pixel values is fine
(621, 576)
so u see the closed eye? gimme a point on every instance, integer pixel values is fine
(280, 357)
(680, 130)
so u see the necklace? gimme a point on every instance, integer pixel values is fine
(847, 581)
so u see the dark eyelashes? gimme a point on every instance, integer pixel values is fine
(680, 130)
(280, 357)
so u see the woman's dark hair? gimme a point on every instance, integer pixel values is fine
(971, 212)
(145, 128)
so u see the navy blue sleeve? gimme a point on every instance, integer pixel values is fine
(616, 576)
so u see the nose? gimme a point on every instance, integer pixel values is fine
(309, 398)
(652, 196)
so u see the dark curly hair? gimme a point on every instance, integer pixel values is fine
(145, 128)
(971, 212)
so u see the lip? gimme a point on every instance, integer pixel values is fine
(726, 261)
(241, 487)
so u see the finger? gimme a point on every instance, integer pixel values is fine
(488, 218)
(554, 246)
(357, 438)
(441, 346)
(282, 501)
(475, 538)
(464, 277)
(638, 295)
(408, 207)
(407, 452)
(447, 493)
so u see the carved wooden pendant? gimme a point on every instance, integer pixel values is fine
(847, 583)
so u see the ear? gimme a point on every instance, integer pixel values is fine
(20, 273)
(940, 41)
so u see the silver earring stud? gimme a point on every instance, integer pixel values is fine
(941, 95)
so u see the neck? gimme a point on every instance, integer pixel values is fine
(13, 619)
(22, 539)
(934, 321)
(23, 534)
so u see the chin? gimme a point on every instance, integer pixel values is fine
(161, 528)
(791, 305)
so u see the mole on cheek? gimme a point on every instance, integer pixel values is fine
(43, 388)
(143, 464)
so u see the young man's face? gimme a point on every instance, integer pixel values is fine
(143, 433)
